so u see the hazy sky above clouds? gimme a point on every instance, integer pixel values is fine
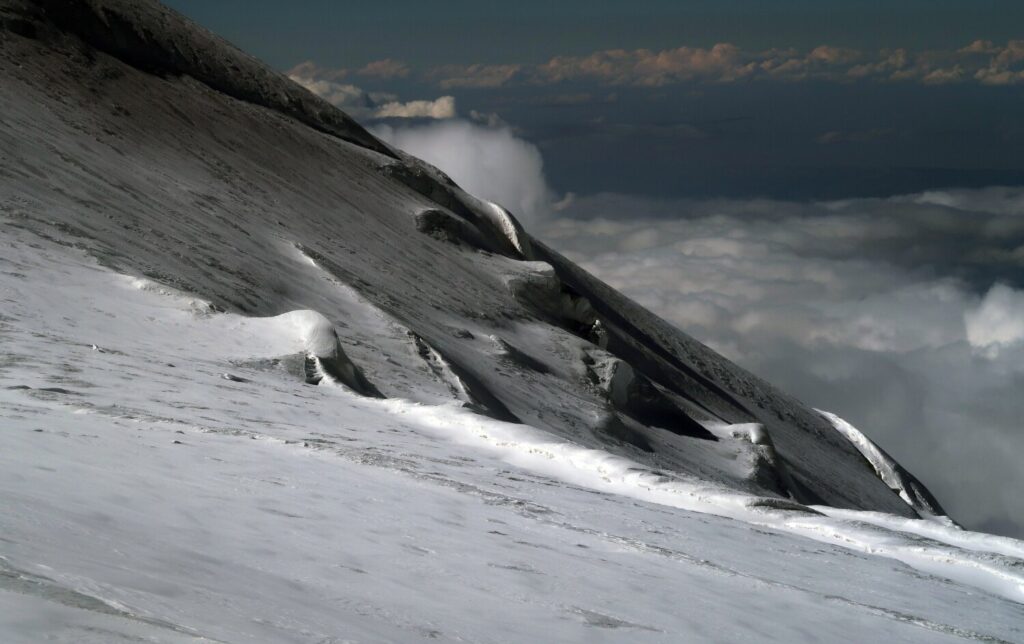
(822, 191)
(344, 34)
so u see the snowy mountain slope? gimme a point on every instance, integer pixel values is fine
(265, 379)
(165, 177)
(164, 477)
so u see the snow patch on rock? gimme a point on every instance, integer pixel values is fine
(304, 332)
(508, 226)
(633, 394)
(753, 433)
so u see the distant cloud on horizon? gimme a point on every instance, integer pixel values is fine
(327, 83)
(386, 69)
(981, 61)
(450, 76)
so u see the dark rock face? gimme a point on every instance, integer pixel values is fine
(156, 39)
(634, 395)
(447, 227)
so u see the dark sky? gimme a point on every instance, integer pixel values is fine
(490, 31)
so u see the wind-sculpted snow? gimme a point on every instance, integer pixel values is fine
(153, 37)
(259, 383)
(486, 225)
(317, 343)
(503, 221)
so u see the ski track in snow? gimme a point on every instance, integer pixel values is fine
(160, 362)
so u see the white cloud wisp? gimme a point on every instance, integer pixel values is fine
(489, 162)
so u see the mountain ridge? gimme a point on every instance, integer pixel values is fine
(179, 55)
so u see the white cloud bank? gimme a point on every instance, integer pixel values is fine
(483, 156)
(998, 322)
(441, 108)
(489, 162)
(369, 105)
(981, 62)
(897, 313)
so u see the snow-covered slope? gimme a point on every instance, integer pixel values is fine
(263, 378)
(163, 176)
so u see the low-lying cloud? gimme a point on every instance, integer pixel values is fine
(384, 69)
(904, 315)
(478, 76)
(982, 62)
(440, 108)
(483, 155)
(489, 161)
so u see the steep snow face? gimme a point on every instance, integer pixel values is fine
(265, 379)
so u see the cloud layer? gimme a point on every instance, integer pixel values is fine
(981, 62)
(903, 315)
